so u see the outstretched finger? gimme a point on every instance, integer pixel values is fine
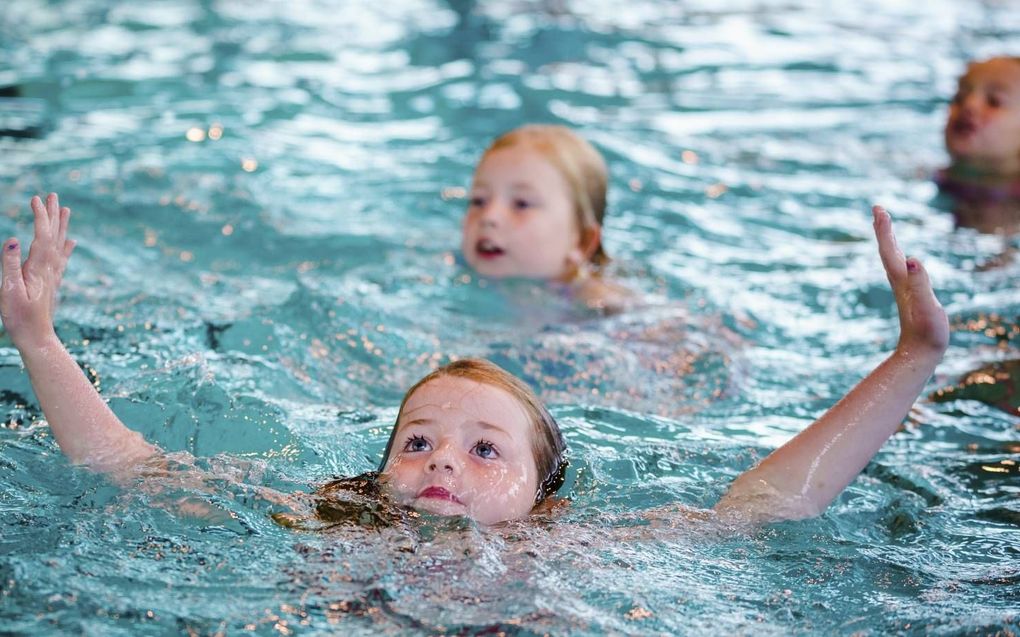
(42, 221)
(53, 210)
(892, 258)
(65, 255)
(13, 281)
(65, 219)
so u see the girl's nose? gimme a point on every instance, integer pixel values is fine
(444, 465)
(444, 459)
(492, 213)
(972, 101)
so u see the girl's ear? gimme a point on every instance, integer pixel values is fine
(590, 238)
(579, 257)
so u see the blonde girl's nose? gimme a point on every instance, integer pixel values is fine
(445, 466)
(444, 458)
(492, 212)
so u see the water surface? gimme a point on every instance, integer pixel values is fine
(267, 201)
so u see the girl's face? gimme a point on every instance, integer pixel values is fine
(520, 220)
(983, 128)
(463, 448)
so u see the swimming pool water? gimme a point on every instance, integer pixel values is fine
(267, 200)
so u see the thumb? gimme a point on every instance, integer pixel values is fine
(919, 283)
(13, 281)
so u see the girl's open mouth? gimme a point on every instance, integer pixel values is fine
(963, 127)
(488, 250)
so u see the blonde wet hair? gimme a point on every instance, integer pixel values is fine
(580, 164)
(547, 445)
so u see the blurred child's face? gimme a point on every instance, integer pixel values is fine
(983, 128)
(463, 448)
(520, 220)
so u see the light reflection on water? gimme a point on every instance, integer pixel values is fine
(269, 290)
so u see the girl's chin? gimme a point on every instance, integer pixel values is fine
(492, 268)
(438, 506)
(506, 271)
(967, 164)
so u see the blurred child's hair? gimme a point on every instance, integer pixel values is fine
(547, 444)
(581, 165)
(1012, 58)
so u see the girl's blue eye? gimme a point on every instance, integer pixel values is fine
(484, 449)
(416, 443)
(521, 204)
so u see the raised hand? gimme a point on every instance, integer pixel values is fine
(924, 328)
(82, 423)
(29, 292)
(803, 476)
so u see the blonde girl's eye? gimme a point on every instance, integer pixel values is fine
(476, 201)
(416, 443)
(485, 449)
(522, 204)
(995, 101)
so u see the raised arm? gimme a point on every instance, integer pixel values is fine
(801, 478)
(86, 429)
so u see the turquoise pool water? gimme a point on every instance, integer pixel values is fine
(267, 200)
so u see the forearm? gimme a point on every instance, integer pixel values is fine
(810, 470)
(87, 431)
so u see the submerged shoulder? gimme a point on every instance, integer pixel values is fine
(600, 293)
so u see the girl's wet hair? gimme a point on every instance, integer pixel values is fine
(580, 164)
(547, 444)
(352, 502)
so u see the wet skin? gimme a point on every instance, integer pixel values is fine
(983, 128)
(520, 220)
(463, 448)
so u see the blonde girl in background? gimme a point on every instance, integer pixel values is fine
(536, 209)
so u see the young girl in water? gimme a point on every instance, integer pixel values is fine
(472, 440)
(982, 137)
(982, 134)
(535, 210)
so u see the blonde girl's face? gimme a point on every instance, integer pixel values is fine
(983, 127)
(463, 448)
(520, 220)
